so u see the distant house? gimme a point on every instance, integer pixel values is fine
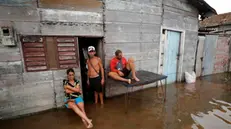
(40, 39)
(213, 55)
(218, 24)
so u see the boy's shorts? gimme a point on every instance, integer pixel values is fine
(95, 83)
(77, 100)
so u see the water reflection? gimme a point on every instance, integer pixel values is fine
(205, 104)
(219, 118)
(190, 88)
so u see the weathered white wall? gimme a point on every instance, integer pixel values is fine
(24, 92)
(133, 26)
(61, 22)
(200, 53)
(138, 24)
(30, 20)
(179, 15)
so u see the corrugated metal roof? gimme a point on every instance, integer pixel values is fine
(216, 20)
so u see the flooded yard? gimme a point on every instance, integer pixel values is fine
(203, 105)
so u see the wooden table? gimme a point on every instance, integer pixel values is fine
(145, 78)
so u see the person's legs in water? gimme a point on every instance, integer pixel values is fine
(131, 66)
(93, 84)
(98, 89)
(101, 98)
(79, 102)
(75, 108)
(96, 97)
(100, 94)
(116, 76)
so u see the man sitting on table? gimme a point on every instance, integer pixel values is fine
(121, 68)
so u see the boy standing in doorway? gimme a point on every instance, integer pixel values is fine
(95, 74)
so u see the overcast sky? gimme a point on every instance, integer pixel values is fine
(221, 6)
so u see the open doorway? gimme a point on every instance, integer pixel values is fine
(84, 43)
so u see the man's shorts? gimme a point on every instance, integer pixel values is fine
(95, 83)
(126, 72)
(77, 100)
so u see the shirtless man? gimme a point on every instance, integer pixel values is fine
(95, 80)
(121, 68)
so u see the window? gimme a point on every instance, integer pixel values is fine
(48, 53)
(5, 31)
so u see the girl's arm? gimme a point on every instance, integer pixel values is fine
(74, 89)
(68, 91)
(78, 87)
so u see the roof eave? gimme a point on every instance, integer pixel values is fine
(205, 10)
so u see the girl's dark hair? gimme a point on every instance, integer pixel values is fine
(70, 70)
(118, 52)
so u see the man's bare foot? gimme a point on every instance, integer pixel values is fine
(129, 81)
(137, 79)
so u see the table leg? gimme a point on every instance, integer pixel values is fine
(157, 89)
(162, 88)
(161, 84)
(128, 95)
(165, 89)
(109, 90)
(126, 100)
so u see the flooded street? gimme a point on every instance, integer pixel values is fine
(203, 105)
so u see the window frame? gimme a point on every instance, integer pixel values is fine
(44, 42)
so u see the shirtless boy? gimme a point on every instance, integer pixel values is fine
(95, 74)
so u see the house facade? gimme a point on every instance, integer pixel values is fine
(217, 24)
(40, 39)
(214, 45)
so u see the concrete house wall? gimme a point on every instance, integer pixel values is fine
(214, 30)
(136, 27)
(183, 17)
(133, 26)
(24, 92)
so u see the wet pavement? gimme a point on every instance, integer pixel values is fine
(205, 104)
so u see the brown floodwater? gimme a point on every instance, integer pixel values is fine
(203, 105)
